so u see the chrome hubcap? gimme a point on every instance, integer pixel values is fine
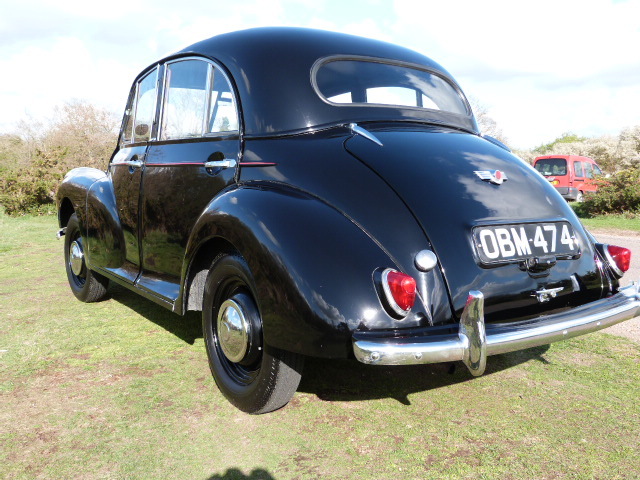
(76, 258)
(233, 331)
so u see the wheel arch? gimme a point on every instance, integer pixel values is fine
(312, 266)
(65, 211)
(199, 268)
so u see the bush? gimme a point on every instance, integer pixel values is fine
(33, 164)
(617, 194)
(32, 190)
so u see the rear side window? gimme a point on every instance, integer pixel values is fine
(552, 166)
(223, 116)
(588, 170)
(367, 82)
(577, 166)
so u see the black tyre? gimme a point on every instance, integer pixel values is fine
(252, 376)
(86, 285)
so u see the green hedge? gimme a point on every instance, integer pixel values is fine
(617, 194)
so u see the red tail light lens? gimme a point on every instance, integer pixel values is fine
(400, 290)
(620, 258)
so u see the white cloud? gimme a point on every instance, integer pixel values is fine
(542, 68)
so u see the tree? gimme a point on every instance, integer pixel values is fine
(487, 125)
(80, 135)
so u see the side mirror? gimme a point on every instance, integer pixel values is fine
(142, 130)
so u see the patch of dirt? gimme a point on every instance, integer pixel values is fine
(629, 329)
(614, 232)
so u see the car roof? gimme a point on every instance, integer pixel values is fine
(271, 68)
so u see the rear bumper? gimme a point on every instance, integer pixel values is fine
(568, 193)
(473, 343)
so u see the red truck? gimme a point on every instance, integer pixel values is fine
(572, 175)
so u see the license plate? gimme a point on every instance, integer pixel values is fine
(512, 243)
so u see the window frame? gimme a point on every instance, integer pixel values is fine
(132, 106)
(153, 128)
(396, 63)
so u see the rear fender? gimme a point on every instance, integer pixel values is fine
(313, 267)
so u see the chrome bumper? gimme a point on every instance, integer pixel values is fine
(472, 344)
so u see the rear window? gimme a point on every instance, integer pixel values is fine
(366, 82)
(552, 166)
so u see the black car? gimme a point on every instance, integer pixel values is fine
(321, 194)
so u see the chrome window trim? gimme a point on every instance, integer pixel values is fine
(398, 63)
(213, 68)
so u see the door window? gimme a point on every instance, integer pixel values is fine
(578, 169)
(185, 100)
(198, 100)
(145, 107)
(141, 110)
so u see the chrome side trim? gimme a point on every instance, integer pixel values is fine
(472, 344)
(355, 128)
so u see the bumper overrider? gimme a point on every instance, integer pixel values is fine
(473, 343)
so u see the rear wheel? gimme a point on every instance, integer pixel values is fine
(580, 197)
(252, 376)
(86, 285)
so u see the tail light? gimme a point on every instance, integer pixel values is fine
(400, 291)
(619, 258)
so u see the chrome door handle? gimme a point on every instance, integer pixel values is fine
(225, 163)
(133, 163)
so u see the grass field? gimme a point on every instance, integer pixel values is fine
(628, 223)
(121, 389)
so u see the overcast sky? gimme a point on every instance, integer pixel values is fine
(542, 68)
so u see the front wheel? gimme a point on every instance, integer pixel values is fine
(86, 285)
(251, 375)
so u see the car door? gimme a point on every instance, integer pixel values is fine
(578, 176)
(127, 167)
(194, 158)
(589, 185)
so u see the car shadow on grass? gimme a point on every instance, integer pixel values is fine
(339, 380)
(349, 380)
(236, 474)
(188, 328)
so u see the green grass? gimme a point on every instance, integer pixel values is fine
(122, 389)
(630, 222)
(613, 222)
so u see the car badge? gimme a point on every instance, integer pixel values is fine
(494, 176)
